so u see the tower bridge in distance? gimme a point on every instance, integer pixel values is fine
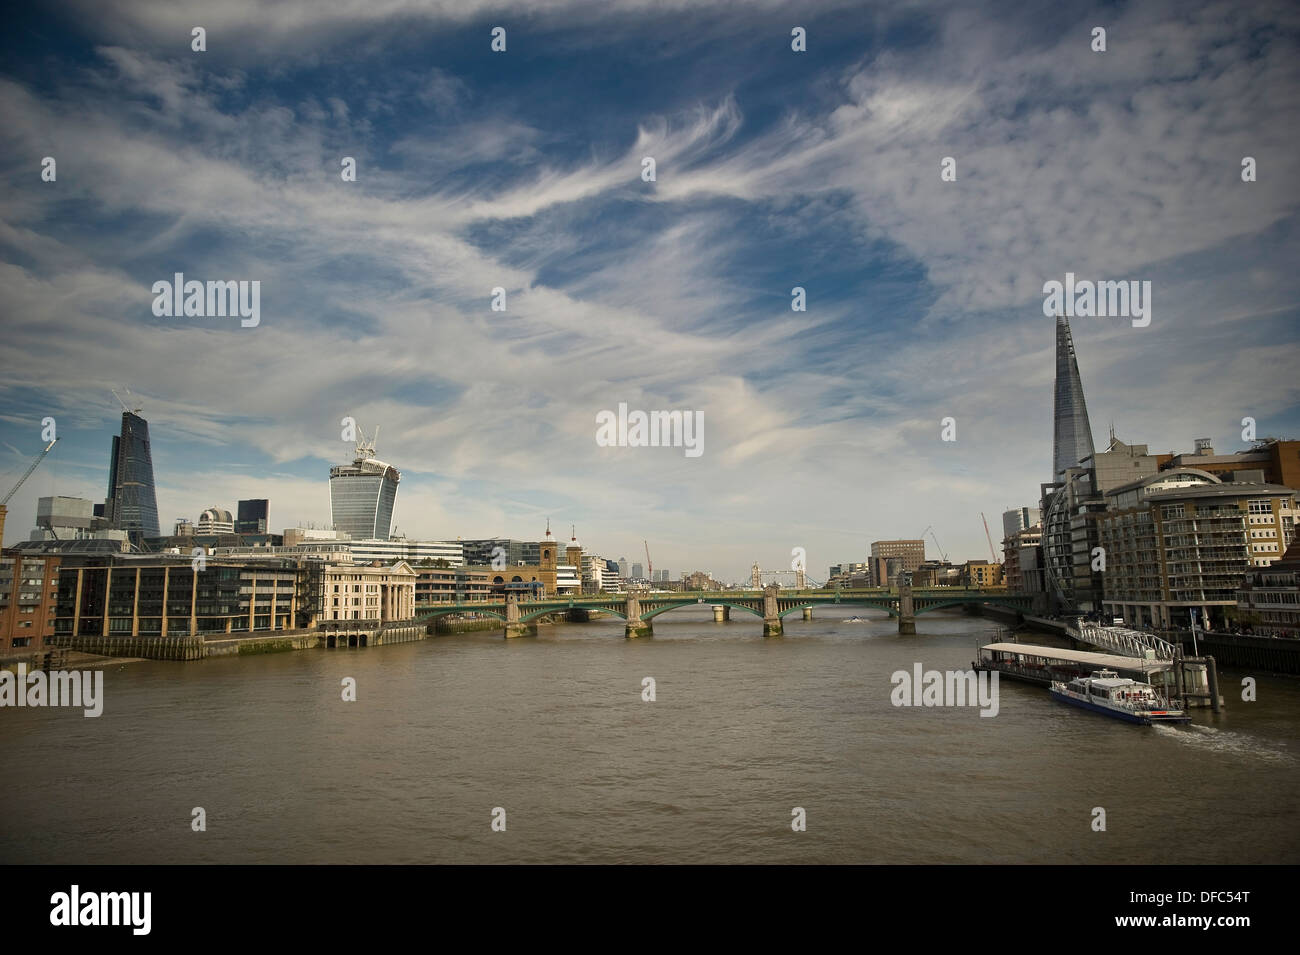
(638, 608)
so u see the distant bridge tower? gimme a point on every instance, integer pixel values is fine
(756, 577)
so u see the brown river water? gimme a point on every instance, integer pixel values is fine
(554, 730)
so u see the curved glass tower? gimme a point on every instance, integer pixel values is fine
(132, 503)
(362, 495)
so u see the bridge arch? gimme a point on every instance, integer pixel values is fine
(945, 604)
(870, 605)
(565, 608)
(648, 614)
(431, 614)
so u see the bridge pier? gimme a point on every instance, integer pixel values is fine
(635, 626)
(514, 627)
(807, 613)
(906, 611)
(721, 614)
(772, 626)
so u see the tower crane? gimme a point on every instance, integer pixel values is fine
(930, 530)
(649, 566)
(992, 553)
(4, 504)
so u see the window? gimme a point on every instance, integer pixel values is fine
(1171, 510)
(1260, 507)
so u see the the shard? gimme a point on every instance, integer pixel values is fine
(1072, 440)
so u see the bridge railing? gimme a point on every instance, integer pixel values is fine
(1129, 643)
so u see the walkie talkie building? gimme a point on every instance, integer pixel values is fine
(362, 495)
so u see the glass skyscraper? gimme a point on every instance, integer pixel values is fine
(1072, 436)
(253, 517)
(132, 504)
(362, 495)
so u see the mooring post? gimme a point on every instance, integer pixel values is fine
(1212, 672)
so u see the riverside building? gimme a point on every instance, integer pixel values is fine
(29, 588)
(1184, 539)
(171, 595)
(1268, 601)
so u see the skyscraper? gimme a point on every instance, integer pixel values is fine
(253, 517)
(1072, 438)
(132, 503)
(362, 495)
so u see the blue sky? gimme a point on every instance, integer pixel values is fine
(522, 170)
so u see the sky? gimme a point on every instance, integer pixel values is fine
(522, 170)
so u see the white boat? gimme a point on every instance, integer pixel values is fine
(855, 619)
(1106, 692)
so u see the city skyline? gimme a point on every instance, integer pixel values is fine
(924, 297)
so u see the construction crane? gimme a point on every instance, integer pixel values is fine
(123, 403)
(930, 530)
(4, 505)
(649, 567)
(992, 553)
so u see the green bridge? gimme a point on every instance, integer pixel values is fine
(771, 604)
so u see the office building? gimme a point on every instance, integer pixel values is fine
(132, 503)
(452, 553)
(372, 592)
(485, 550)
(1022, 560)
(451, 584)
(164, 595)
(215, 520)
(936, 573)
(253, 516)
(363, 494)
(1270, 461)
(1017, 519)
(1072, 433)
(61, 518)
(638, 572)
(888, 571)
(912, 552)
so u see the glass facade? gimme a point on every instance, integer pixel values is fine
(253, 517)
(362, 495)
(132, 503)
(1072, 437)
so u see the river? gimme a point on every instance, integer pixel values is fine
(554, 730)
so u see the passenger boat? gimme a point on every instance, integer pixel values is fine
(1106, 692)
(855, 619)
